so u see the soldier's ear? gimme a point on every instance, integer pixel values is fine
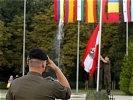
(42, 65)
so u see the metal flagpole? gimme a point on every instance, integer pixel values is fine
(127, 38)
(24, 38)
(99, 34)
(77, 79)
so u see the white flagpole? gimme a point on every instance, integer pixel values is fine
(24, 38)
(127, 38)
(77, 79)
(99, 34)
(79, 19)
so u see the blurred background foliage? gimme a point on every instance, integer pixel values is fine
(41, 31)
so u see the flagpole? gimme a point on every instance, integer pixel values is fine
(24, 38)
(127, 38)
(77, 79)
(100, 28)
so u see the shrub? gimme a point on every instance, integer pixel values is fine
(3, 85)
(131, 84)
(126, 81)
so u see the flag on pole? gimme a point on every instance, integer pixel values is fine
(75, 9)
(126, 10)
(66, 10)
(58, 10)
(104, 15)
(55, 11)
(98, 10)
(131, 10)
(61, 10)
(90, 58)
(104, 12)
(113, 10)
(90, 9)
(71, 11)
(80, 10)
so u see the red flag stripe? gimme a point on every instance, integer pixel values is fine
(128, 10)
(94, 11)
(66, 11)
(113, 17)
(104, 17)
(55, 11)
(86, 10)
(75, 10)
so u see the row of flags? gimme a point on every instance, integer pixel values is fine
(69, 11)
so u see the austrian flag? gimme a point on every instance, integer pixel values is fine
(90, 58)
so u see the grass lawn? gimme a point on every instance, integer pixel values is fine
(3, 90)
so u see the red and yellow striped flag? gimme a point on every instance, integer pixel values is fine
(71, 11)
(90, 9)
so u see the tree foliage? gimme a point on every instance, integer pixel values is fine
(2, 39)
(126, 76)
(41, 31)
(10, 8)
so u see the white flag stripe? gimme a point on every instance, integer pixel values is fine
(125, 10)
(79, 10)
(88, 62)
(97, 41)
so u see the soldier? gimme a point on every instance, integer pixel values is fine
(107, 73)
(33, 86)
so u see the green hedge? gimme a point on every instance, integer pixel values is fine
(131, 86)
(3, 85)
(126, 75)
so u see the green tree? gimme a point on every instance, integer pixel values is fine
(131, 84)
(44, 30)
(3, 37)
(12, 48)
(10, 8)
(126, 72)
(41, 31)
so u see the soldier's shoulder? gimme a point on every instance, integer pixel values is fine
(49, 78)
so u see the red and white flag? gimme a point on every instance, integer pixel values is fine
(126, 10)
(90, 58)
